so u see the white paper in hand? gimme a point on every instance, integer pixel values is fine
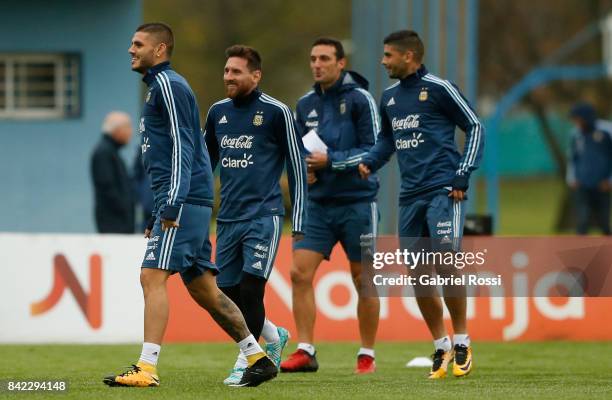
(313, 143)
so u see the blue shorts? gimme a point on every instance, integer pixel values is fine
(185, 249)
(247, 246)
(348, 224)
(434, 215)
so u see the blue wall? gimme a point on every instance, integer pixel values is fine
(44, 164)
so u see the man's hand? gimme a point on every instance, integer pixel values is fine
(316, 161)
(149, 228)
(457, 195)
(364, 171)
(573, 185)
(312, 177)
(297, 236)
(605, 186)
(166, 224)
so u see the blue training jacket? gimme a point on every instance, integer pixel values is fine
(252, 138)
(346, 119)
(590, 159)
(418, 119)
(172, 144)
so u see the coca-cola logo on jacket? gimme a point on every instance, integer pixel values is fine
(238, 142)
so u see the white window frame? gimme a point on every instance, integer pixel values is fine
(59, 111)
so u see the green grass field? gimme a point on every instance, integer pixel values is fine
(554, 370)
(527, 206)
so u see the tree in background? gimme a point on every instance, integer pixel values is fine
(282, 31)
(516, 36)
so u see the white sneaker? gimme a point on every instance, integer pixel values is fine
(234, 377)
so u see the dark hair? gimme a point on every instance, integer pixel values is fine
(407, 40)
(584, 111)
(248, 53)
(327, 41)
(161, 31)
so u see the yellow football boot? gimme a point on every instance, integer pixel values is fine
(440, 360)
(463, 361)
(139, 375)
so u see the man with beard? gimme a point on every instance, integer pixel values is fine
(418, 119)
(251, 136)
(341, 206)
(181, 177)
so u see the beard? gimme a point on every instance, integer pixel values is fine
(394, 73)
(237, 91)
(401, 71)
(143, 64)
(140, 69)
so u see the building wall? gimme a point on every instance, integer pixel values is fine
(44, 164)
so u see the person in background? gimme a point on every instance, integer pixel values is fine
(589, 171)
(114, 198)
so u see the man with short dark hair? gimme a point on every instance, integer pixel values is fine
(419, 115)
(182, 180)
(589, 172)
(114, 197)
(341, 206)
(251, 136)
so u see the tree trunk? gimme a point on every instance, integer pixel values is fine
(565, 215)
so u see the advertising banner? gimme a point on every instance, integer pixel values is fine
(86, 289)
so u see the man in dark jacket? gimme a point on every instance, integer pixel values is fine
(114, 199)
(178, 164)
(341, 206)
(589, 171)
(251, 136)
(419, 115)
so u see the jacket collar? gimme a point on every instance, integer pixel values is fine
(415, 77)
(248, 99)
(149, 77)
(109, 139)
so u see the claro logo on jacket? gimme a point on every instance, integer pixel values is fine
(404, 144)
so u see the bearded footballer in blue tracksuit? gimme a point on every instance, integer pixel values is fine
(418, 119)
(174, 157)
(341, 205)
(251, 136)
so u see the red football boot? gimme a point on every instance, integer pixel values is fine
(300, 361)
(365, 364)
